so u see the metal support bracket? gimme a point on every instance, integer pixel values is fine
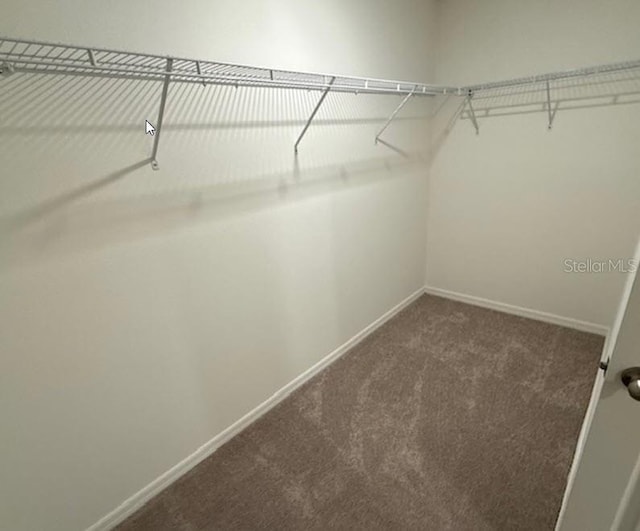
(6, 69)
(472, 113)
(394, 113)
(315, 110)
(551, 113)
(199, 70)
(163, 102)
(92, 57)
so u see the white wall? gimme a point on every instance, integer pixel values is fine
(143, 312)
(507, 207)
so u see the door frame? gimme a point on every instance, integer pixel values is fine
(607, 352)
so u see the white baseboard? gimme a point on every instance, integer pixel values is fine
(132, 504)
(520, 311)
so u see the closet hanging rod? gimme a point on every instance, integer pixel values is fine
(28, 56)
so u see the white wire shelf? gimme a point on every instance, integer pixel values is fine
(36, 57)
(579, 76)
(611, 84)
(51, 58)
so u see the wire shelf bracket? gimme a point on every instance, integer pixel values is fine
(472, 113)
(313, 113)
(551, 112)
(163, 103)
(393, 114)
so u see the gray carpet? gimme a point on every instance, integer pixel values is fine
(448, 417)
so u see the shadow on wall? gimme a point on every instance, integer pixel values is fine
(53, 205)
(223, 151)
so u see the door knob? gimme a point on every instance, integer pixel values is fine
(631, 379)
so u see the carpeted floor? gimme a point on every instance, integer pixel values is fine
(448, 417)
